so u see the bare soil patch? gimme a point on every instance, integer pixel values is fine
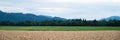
(59, 35)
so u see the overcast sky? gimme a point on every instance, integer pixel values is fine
(88, 9)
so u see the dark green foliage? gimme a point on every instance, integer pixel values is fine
(19, 19)
(70, 22)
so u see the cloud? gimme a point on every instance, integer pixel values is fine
(56, 10)
(13, 9)
(88, 9)
(77, 1)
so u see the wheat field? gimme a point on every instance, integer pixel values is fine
(59, 35)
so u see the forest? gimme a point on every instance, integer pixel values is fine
(69, 22)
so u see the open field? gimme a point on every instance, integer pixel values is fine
(59, 28)
(59, 35)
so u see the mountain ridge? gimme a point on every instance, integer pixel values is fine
(111, 18)
(4, 16)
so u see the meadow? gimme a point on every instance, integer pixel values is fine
(59, 28)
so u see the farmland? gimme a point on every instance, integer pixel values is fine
(59, 35)
(59, 28)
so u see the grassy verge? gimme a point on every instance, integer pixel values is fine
(59, 28)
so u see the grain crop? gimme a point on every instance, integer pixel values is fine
(59, 35)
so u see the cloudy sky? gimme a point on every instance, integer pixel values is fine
(88, 9)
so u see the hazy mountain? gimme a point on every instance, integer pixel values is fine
(4, 16)
(112, 18)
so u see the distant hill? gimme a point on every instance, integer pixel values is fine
(4, 16)
(112, 18)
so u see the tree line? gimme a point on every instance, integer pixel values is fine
(69, 22)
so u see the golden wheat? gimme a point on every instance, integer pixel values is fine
(59, 35)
